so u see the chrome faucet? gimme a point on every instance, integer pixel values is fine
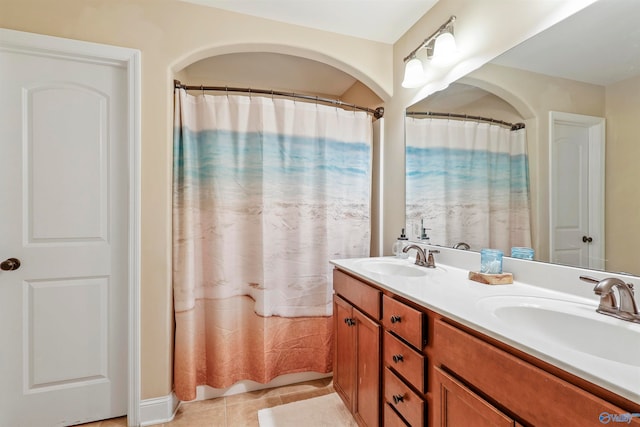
(421, 258)
(626, 309)
(431, 262)
(462, 245)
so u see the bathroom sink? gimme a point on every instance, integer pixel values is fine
(391, 266)
(571, 324)
(394, 268)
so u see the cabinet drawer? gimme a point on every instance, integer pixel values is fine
(405, 321)
(406, 361)
(363, 296)
(536, 396)
(403, 399)
(391, 418)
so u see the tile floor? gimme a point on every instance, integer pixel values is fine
(239, 410)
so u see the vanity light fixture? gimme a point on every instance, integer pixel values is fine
(441, 46)
(414, 75)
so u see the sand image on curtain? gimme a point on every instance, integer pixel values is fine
(468, 182)
(266, 192)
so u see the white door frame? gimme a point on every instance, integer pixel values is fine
(130, 60)
(597, 137)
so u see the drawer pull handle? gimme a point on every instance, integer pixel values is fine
(396, 319)
(349, 321)
(397, 398)
(398, 358)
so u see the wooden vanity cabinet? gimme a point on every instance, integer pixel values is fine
(476, 380)
(356, 369)
(405, 333)
(460, 406)
(400, 364)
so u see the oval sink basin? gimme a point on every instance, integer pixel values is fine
(389, 268)
(570, 324)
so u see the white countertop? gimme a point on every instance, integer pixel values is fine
(449, 292)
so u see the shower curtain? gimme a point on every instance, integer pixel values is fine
(468, 182)
(265, 192)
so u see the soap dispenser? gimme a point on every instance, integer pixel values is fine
(423, 233)
(399, 245)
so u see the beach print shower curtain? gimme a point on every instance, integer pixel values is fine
(468, 182)
(266, 191)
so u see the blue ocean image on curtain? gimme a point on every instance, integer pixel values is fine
(467, 182)
(432, 172)
(285, 165)
(265, 193)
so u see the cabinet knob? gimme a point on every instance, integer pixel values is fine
(396, 319)
(397, 358)
(397, 398)
(349, 321)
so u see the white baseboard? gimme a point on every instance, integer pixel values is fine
(158, 410)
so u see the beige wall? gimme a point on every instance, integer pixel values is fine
(622, 197)
(172, 34)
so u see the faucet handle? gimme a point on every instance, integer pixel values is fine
(589, 280)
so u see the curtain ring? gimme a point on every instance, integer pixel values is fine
(250, 93)
(226, 90)
(272, 95)
(202, 89)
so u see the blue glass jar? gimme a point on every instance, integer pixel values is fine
(522, 253)
(491, 261)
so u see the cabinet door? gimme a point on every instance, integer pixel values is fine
(344, 361)
(368, 339)
(460, 407)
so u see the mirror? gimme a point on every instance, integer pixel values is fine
(586, 65)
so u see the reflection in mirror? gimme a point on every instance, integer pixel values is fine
(588, 66)
(467, 180)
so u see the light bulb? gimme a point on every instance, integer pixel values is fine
(444, 48)
(413, 74)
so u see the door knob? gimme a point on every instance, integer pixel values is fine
(10, 264)
(586, 239)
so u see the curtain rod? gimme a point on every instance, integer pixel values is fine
(377, 113)
(513, 126)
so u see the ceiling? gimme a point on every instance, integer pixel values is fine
(600, 45)
(377, 20)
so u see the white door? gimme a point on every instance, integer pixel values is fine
(64, 204)
(577, 190)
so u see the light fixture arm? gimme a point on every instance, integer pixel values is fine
(431, 38)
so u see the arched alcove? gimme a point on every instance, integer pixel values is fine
(277, 67)
(467, 97)
(520, 105)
